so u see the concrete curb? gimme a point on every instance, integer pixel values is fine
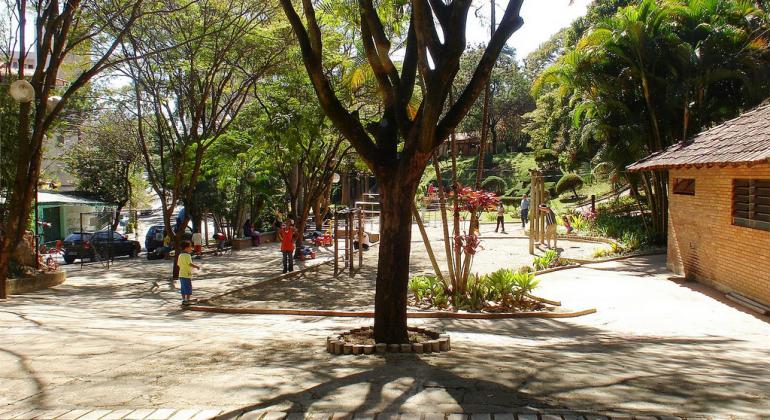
(580, 262)
(370, 314)
(40, 281)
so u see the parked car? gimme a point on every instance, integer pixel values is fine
(87, 245)
(154, 237)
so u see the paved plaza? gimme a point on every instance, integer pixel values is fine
(116, 344)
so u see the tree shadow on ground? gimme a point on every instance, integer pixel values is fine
(539, 368)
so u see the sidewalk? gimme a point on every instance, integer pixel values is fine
(112, 342)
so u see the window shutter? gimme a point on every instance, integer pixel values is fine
(751, 203)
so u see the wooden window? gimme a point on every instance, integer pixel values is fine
(684, 186)
(751, 203)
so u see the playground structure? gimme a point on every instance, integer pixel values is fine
(536, 219)
(348, 226)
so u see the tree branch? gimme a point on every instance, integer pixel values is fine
(509, 24)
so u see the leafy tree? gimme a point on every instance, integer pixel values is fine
(655, 73)
(192, 72)
(106, 160)
(546, 158)
(398, 145)
(510, 98)
(569, 182)
(93, 28)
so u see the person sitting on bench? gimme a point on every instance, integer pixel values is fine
(249, 232)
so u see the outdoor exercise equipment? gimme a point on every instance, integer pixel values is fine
(348, 226)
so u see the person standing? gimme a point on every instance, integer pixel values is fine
(524, 211)
(197, 240)
(185, 264)
(287, 234)
(550, 224)
(500, 217)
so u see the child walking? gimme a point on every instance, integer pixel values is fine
(287, 235)
(185, 264)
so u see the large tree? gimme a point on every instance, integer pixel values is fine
(654, 74)
(210, 57)
(105, 160)
(85, 31)
(398, 145)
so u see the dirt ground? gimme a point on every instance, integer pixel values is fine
(322, 290)
(118, 339)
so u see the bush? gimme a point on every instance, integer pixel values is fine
(430, 288)
(505, 286)
(546, 157)
(510, 201)
(569, 182)
(495, 184)
(579, 222)
(548, 260)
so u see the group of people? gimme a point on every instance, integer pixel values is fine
(548, 214)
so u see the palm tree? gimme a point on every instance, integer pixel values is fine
(656, 72)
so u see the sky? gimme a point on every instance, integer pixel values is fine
(542, 18)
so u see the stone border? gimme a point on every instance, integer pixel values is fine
(370, 314)
(438, 343)
(41, 281)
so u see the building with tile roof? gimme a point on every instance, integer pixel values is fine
(719, 204)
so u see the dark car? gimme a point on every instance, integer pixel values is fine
(154, 237)
(87, 245)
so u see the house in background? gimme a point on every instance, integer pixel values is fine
(60, 214)
(467, 145)
(719, 205)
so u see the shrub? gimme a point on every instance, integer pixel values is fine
(476, 293)
(546, 157)
(508, 286)
(524, 284)
(569, 182)
(495, 184)
(430, 288)
(510, 201)
(548, 260)
(579, 222)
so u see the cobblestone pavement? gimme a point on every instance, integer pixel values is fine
(111, 344)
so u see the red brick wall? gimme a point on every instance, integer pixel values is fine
(704, 245)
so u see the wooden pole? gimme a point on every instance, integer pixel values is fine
(336, 244)
(350, 240)
(541, 226)
(360, 238)
(531, 225)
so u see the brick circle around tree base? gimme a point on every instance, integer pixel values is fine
(434, 342)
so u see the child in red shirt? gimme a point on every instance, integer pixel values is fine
(287, 234)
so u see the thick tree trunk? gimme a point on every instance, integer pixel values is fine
(393, 265)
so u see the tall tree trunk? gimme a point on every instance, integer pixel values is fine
(393, 265)
(20, 201)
